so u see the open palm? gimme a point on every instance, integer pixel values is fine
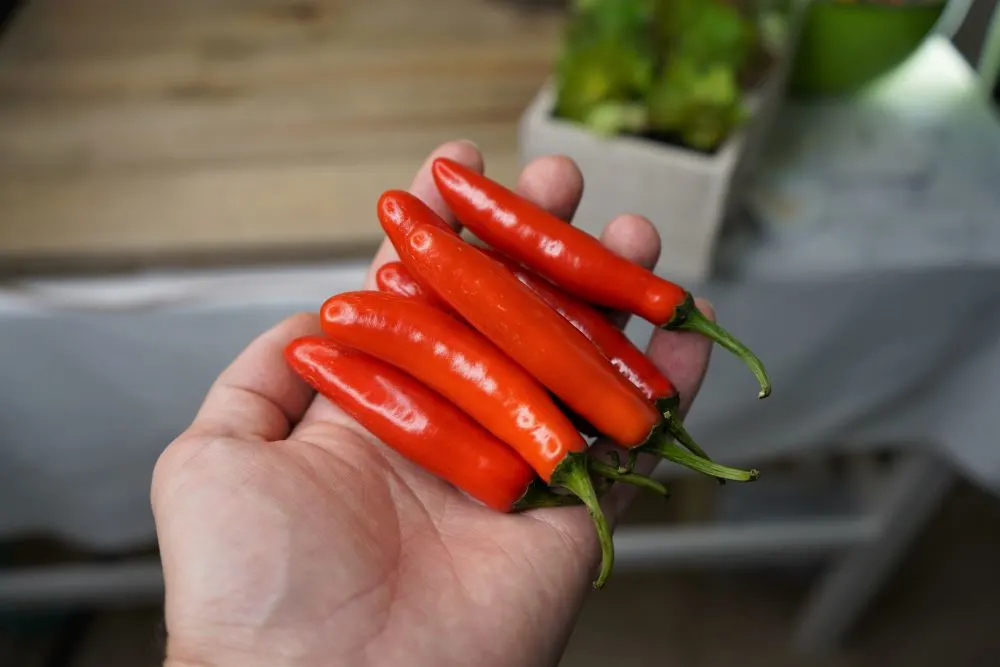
(289, 536)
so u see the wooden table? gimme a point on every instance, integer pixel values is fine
(207, 131)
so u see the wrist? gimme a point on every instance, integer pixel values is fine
(227, 662)
(174, 661)
(223, 662)
(176, 658)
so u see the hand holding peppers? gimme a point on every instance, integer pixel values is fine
(514, 336)
(284, 526)
(588, 365)
(594, 370)
(469, 371)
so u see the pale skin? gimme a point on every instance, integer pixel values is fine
(290, 537)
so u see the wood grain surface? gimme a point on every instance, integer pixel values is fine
(150, 131)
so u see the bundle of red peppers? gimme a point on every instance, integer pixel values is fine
(488, 366)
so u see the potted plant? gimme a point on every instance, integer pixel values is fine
(663, 104)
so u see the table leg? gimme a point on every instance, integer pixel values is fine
(71, 585)
(914, 491)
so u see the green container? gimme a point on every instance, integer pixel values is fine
(846, 45)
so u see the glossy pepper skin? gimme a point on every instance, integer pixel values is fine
(462, 366)
(516, 320)
(609, 339)
(394, 278)
(419, 424)
(466, 369)
(575, 260)
(635, 366)
(613, 344)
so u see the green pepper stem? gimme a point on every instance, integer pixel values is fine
(632, 478)
(695, 320)
(539, 494)
(677, 431)
(573, 474)
(668, 408)
(672, 452)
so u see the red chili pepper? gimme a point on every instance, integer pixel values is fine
(465, 368)
(633, 364)
(575, 260)
(394, 278)
(510, 315)
(609, 339)
(399, 211)
(419, 424)
(616, 347)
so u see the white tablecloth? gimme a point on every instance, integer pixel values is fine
(98, 376)
(872, 284)
(872, 291)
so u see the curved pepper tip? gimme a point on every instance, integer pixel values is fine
(453, 178)
(691, 319)
(443, 168)
(442, 162)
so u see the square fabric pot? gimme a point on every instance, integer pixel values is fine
(684, 193)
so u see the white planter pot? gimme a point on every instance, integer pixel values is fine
(684, 193)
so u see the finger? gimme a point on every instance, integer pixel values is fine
(258, 397)
(462, 151)
(683, 357)
(636, 239)
(553, 182)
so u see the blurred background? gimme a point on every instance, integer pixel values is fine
(175, 177)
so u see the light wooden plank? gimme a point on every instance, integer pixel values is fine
(144, 127)
(356, 122)
(202, 210)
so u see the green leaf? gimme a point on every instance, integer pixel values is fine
(701, 104)
(608, 56)
(601, 73)
(682, 59)
(611, 118)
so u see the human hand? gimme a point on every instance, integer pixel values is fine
(290, 537)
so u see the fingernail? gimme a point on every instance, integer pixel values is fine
(460, 148)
